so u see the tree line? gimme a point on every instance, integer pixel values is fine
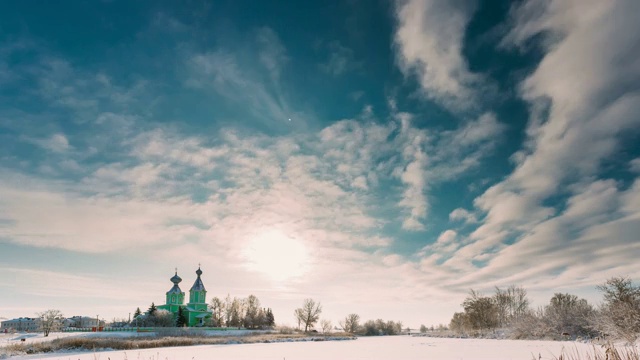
(240, 312)
(309, 314)
(565, 315)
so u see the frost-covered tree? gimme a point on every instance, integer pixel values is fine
(308, 314)
(163, 318)
(217, 308)
(511, 304)
(351, 323)
(481, 311)
(228, 309)
(252, 309)
(235, 313)
(325, 325)
(50, 320)
(423, 329)
(619, 315)
(459, 322)
(380, 327)
(532, 325)
(567, 313)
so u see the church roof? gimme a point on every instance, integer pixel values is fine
(175, 279)
(198, 285)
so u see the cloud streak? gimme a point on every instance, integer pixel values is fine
(429, 38)
(556, 201)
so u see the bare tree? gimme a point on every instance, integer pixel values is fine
(50, 320)
(568, 314)
(481, 311)
(251, 316)
(511, 304)
(218, 309)
(619, 316)
(519, 302)
(351, 323)
(309, 313)
(502, 300)
(325, 325)
(236, 312)
(459, 322)
(228, 310)
(532, 325)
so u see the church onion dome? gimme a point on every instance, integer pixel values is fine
(198, 285)
(175, 280)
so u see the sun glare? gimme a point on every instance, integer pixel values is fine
(277, 256)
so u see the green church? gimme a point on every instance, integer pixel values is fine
(196, 312)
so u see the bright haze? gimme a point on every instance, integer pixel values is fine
(381, 157)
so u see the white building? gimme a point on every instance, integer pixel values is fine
(82, 322)
(21, 324)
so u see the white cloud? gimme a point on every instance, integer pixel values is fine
(591, 240)
(464, 148)
(57, 143)
(554, 203)
(482, 130)
(447, 237)
(463, 215)
(429, 38)
(414, 197)
(634, 165)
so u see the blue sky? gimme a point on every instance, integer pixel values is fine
(382, 157)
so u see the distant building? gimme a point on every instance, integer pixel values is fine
(21, 324)
(82, 322)
(196, 311)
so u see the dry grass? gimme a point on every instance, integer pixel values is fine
(605, 352)
(180, 338)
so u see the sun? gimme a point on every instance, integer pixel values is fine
(276, 255)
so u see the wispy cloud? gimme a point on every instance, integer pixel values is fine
(62, 284)
(57, 142)
(341, 59)
(232, 74)
(272, 53)
(460, 214)
(556, 202)
(101, 158)
(429, 39)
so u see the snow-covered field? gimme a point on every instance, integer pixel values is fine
(390, 347)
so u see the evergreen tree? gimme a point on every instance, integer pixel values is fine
(137, 313)
(270, 320)
(152, 309)
(182, 319)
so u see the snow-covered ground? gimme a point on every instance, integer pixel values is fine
(390, 347)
